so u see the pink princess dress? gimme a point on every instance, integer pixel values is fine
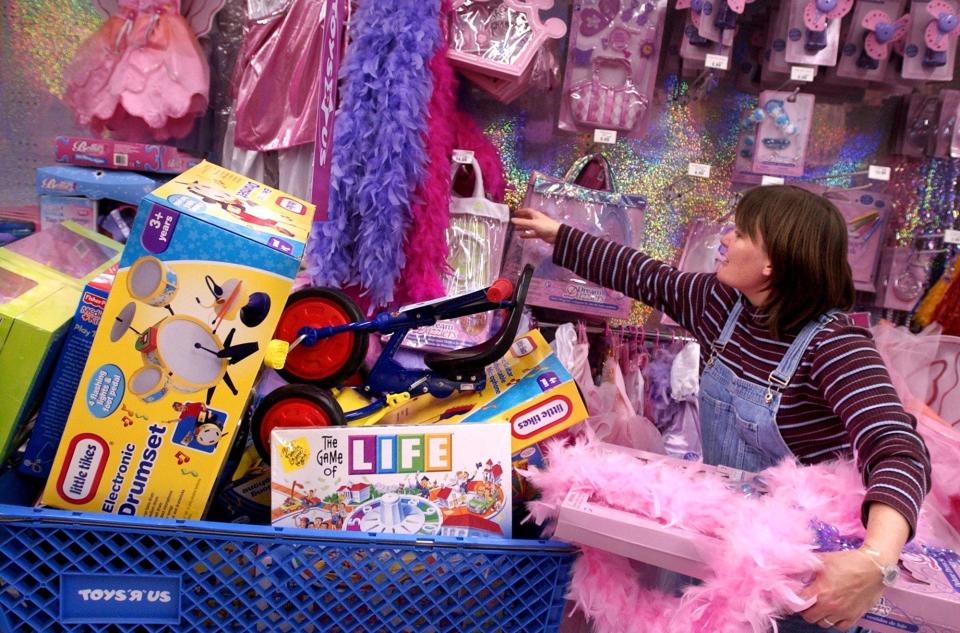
(142, 75)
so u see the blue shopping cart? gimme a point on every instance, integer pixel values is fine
(76, 571)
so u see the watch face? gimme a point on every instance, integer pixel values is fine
(890, 575)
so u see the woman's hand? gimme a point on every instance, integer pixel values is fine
(533, 224)
(849, 585)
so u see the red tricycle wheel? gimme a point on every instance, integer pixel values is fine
(293, 406)
(332, 359)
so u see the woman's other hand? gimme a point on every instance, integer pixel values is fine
(848, 586)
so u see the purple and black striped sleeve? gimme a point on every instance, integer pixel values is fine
(890, 454)
(681, 296)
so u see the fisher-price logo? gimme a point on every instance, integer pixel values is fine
(84, 146)
(95, 301)
(541, 416)
(83, 468)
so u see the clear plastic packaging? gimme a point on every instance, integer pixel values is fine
(782, 133)
(931, 47)
(875, 28)
(612, 65)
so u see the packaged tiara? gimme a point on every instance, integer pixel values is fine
(500, 38)
(875, 29)
(931, 47)
(813, 36)
(612, 64)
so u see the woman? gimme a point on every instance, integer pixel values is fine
(785, 372)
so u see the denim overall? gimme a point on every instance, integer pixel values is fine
(738, 419)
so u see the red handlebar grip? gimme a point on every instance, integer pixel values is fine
(500, 290)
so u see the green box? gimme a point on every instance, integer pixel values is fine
(35, 310)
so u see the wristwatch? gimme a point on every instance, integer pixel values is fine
(888, 573)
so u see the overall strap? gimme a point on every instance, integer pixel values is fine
(780, 377)
(721, 342)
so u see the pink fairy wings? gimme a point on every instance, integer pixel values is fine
(818, 13)
(198, 13)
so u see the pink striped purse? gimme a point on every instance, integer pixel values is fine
(599, 105)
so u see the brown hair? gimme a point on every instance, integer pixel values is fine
(805, 238)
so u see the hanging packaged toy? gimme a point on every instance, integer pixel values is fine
(612, 65)
(500, 37)
(775, 58)
(142, 75)
(719, 24)
(602, 212)
(866, 215)
(876, 27)
(478, 229)
(783, 128)
(693, 46)
(814, 31)
(931, 46)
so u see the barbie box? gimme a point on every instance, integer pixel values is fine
(202, 281)
(423, 479)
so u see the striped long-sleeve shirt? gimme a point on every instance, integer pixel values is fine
(839, 402)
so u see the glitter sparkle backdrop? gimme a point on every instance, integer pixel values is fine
(38, 38)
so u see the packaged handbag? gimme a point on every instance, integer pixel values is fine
(599, 210)
(597, 104)
(475, 238)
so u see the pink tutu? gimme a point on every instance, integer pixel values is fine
(141, 76)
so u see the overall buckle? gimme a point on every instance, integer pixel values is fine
(774, 381)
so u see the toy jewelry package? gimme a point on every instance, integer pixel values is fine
(602, 212)
(931, 47)
(500, 38)
(783, 129)
(813, 32)
(875, 28)
(612, 64)
(201, 285)
(422, 479)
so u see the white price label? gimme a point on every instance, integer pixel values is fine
(605, 136)
(699, 170)
(951, 236)
(463, 156)
(771, 180)
(878, 172)
(720, 62)
(802, 73)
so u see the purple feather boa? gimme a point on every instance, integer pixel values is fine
(379, 153)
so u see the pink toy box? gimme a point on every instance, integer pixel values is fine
(926, 598)
(108, 154)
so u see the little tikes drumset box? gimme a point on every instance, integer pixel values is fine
(423, 479)
(201, 285)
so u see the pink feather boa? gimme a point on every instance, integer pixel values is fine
(426, 245)
(758, 567)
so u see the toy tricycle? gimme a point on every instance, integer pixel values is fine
(322, 338)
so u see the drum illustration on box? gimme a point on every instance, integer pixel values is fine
(181, 352)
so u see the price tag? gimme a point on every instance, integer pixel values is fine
(605, 136)
(463, 156)
(802, 73)
(951, 236)
(720, 62)
(878, 172)
(699, 170)
(771, 180)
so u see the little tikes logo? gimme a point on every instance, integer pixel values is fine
(374, 454)
(83, 468)
(541, 416)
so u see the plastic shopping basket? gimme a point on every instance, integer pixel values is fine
(75, 571)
